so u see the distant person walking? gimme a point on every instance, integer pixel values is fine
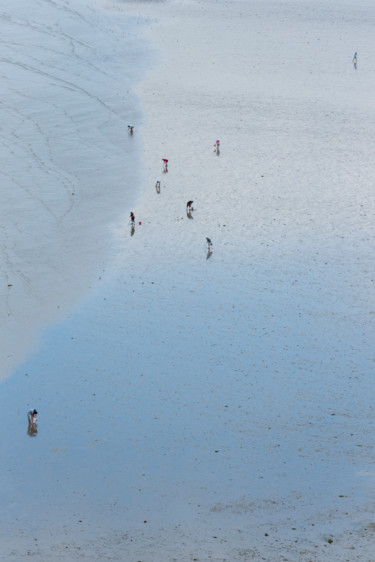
(217, 147)
(132, 218)
(189, 205)
(209, 243)
(355, 59)
(32, 417)
(165, 166)
(157, 186)
(130, 129)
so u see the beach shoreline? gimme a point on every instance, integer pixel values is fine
(216, 403)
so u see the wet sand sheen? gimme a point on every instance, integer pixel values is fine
(219, 409)
(69, 166)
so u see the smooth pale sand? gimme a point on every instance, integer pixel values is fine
(220, 407)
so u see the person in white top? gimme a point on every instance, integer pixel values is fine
(32, 417)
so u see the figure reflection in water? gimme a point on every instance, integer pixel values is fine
(209, 253)
(132, 230)
(32, 431)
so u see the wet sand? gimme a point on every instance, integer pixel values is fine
(219, 407)
(69, 166)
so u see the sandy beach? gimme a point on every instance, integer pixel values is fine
(193, 404)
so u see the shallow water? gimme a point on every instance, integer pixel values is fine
(200, 408)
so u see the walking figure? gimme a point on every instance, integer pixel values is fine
(165, 167)
(355, 60)
(132, 218)
(189, 209)
(130, 129)
(32, 417)
(217, 147)
(209, 243)
(157, 186)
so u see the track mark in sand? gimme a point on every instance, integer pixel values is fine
(67, 83)
(70, 11)
(47, 30)
(75, 57)
(32, 195)
(48, 168)
(9, 272)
